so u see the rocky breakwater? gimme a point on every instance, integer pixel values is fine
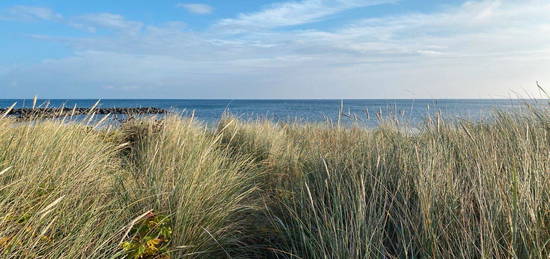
(29, 113)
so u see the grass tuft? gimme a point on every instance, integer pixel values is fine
(173, 188)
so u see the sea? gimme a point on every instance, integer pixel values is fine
(367, 112)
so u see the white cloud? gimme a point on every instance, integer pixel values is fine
(29, 13)
(482, 28)
(107, 20)
(196, 8)
(476, 50)
(294, 13)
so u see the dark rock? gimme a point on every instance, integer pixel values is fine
(26, 113)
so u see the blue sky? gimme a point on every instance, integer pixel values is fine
(273, 49)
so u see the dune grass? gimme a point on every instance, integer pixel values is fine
(173, 188)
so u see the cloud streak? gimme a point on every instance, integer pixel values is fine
(476, 50)
(111, 21)
(293, 13)
(29, 13)
(196, 8)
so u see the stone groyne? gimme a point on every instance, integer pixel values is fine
(26, 113)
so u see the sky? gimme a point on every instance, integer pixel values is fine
(265, 49)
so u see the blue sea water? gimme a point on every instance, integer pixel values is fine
(411, 111)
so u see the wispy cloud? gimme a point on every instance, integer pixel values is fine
(294, 13)
(196, 8)
(483, 48)
(29, 13)
(482, 28)
(108, 21)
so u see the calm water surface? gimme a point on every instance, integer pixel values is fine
(364, 111)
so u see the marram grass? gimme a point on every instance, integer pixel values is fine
(173, 188)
